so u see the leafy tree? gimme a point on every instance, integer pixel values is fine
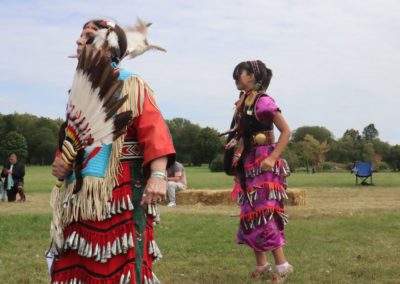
(184, 135)
(42, 146)
(313, 152)
(207, 146)
(352, 134)
(382, 148)
(368, 152)
(291, 156)
(14, 142)
(318, 132)
(394, 160)
(370, 132)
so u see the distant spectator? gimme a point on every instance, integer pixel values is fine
(2, 193)
(176, 181)
(14, 172)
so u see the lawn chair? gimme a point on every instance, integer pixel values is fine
(363, 170)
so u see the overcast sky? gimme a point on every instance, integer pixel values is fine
(336, 63)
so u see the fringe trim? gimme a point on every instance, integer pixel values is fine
(154, 250)
(104, 248)
(79, 276)
(153, 280)
(256, 162)
(276, 191)
(56, 228)
(254, 169)
(261, 217)
(116, 206)
(152, 210)
(136, 89)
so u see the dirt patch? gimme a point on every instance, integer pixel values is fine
(222, 197)
(320, 202)
(36, 203)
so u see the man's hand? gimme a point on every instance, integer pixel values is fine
(155, 191)
(61, 169)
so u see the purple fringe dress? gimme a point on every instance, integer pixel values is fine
(262, 216)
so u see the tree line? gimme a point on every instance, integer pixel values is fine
(35, 139)
(314, 147)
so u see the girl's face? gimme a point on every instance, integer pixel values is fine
(245, 82)
(87, 36)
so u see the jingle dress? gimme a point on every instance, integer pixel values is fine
(262, 215)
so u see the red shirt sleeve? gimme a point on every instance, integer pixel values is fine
(152, 132)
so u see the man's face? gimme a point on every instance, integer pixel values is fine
(87, 36)
(12, 159)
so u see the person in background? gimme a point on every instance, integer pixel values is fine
(14, 172)
(2, 193)
(176, 181)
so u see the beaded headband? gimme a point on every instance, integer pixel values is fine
(254, 66)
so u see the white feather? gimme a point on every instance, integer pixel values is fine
(113, 40)
(111, 23)
(100, 38)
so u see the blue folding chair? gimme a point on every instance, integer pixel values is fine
(363, 170)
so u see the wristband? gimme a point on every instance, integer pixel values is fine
(159, 175)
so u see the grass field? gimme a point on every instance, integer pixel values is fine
(344, 234)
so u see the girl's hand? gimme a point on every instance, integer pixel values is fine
(268, 163)
(231, 144)
(155, 191)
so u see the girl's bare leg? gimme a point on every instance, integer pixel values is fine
(279, 256)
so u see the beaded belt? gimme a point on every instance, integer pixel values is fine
(262, 138)
(131, 150)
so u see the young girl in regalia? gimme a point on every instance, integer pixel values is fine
(253, 157)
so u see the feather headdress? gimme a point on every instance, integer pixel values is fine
(136, 37)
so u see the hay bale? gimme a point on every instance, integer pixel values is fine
(222, 197)
(204, 196)
(296, 197)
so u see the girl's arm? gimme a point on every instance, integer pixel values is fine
(284, 137)
(283, 140)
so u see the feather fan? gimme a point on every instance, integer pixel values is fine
(93, 104)
(137, 39)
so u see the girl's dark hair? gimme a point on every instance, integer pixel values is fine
(116, 54)
(261, 73)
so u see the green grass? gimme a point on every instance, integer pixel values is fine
(200, 248)
(39, 179)
(344, 235)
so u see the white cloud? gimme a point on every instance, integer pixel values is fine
(335, 63)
